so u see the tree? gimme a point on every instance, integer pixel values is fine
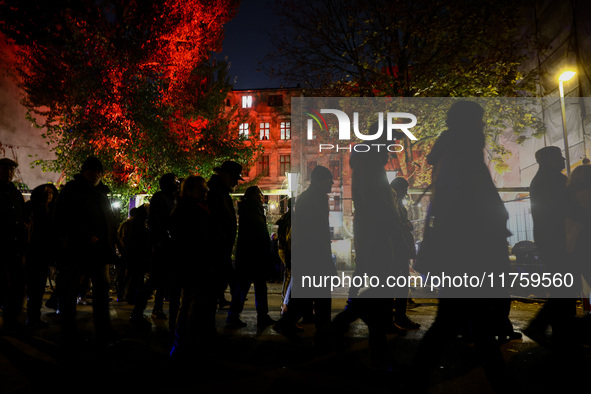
(130, 82)
(399, 48)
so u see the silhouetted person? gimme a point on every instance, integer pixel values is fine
(123, 262)
(197, 241)
(43, 249)
(253, 259)
(139, 262)
(578, 225)
(161, 206)
(219, 201)
(469, 237)
(311, 253)
(284, 247)
(379, 247)
(13, 241)
(87, 228)
(549, 209)
(399, 186)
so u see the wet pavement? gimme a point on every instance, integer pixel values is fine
(248, 360)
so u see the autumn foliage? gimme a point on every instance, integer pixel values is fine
(131, 82)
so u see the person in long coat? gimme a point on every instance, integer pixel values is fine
(220, 203)
(253, 259)
(196, 240)
(42, 249)
(311, 256)
(87, 227)
(13, 241)
(468, 235)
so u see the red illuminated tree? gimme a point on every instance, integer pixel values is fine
(128, 81)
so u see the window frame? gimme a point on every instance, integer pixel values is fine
(285, 130)
(247, 101)
(266, 129)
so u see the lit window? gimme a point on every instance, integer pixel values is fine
(285, 130)
(263, 165)
(264, 131)
(284, 164)
(243, 130)
(246, 101)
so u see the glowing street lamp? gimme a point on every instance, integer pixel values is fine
(565, 76)
(293, 180)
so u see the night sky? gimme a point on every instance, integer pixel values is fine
(246, 43)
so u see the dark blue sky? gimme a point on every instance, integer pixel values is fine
(246, 43)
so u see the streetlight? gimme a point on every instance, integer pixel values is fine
(292, 180)
(565, 76)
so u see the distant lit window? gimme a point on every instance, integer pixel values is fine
(265, 131)
(243, 130)
(285, 128)
(284, 164)
(263, 165)
(246, 101)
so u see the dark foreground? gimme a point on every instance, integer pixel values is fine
(251, 361)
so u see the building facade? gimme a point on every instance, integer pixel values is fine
(266, 115)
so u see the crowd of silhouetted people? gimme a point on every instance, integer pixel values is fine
(189, 246)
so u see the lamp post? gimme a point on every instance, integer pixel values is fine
(565, 76)
(293, 180)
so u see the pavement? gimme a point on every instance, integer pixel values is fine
(248, 360)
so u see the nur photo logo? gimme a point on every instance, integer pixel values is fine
(392, 127)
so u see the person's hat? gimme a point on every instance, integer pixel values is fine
(8, 162)
(232, 168)
(92, 163)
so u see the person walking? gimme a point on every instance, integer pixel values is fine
(469, 216)
(139, 262)
(399, 187)
(254, 263)
(42, 249)
(161, 205)
(550, 208)
(197, 242)
(162, 260)
(13, 241)
(220, 203)
(380, 251)
(311, 255)
(87, 228)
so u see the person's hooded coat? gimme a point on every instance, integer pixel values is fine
(84, 211)
(253, 247)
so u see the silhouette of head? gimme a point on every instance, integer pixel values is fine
(465, 115)
(194, 186)
(92, 170)
(550, 157)
(400, 186)
(580, 179)
(322, 177)
(253, 193)
(45, 193)
(169, 183)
